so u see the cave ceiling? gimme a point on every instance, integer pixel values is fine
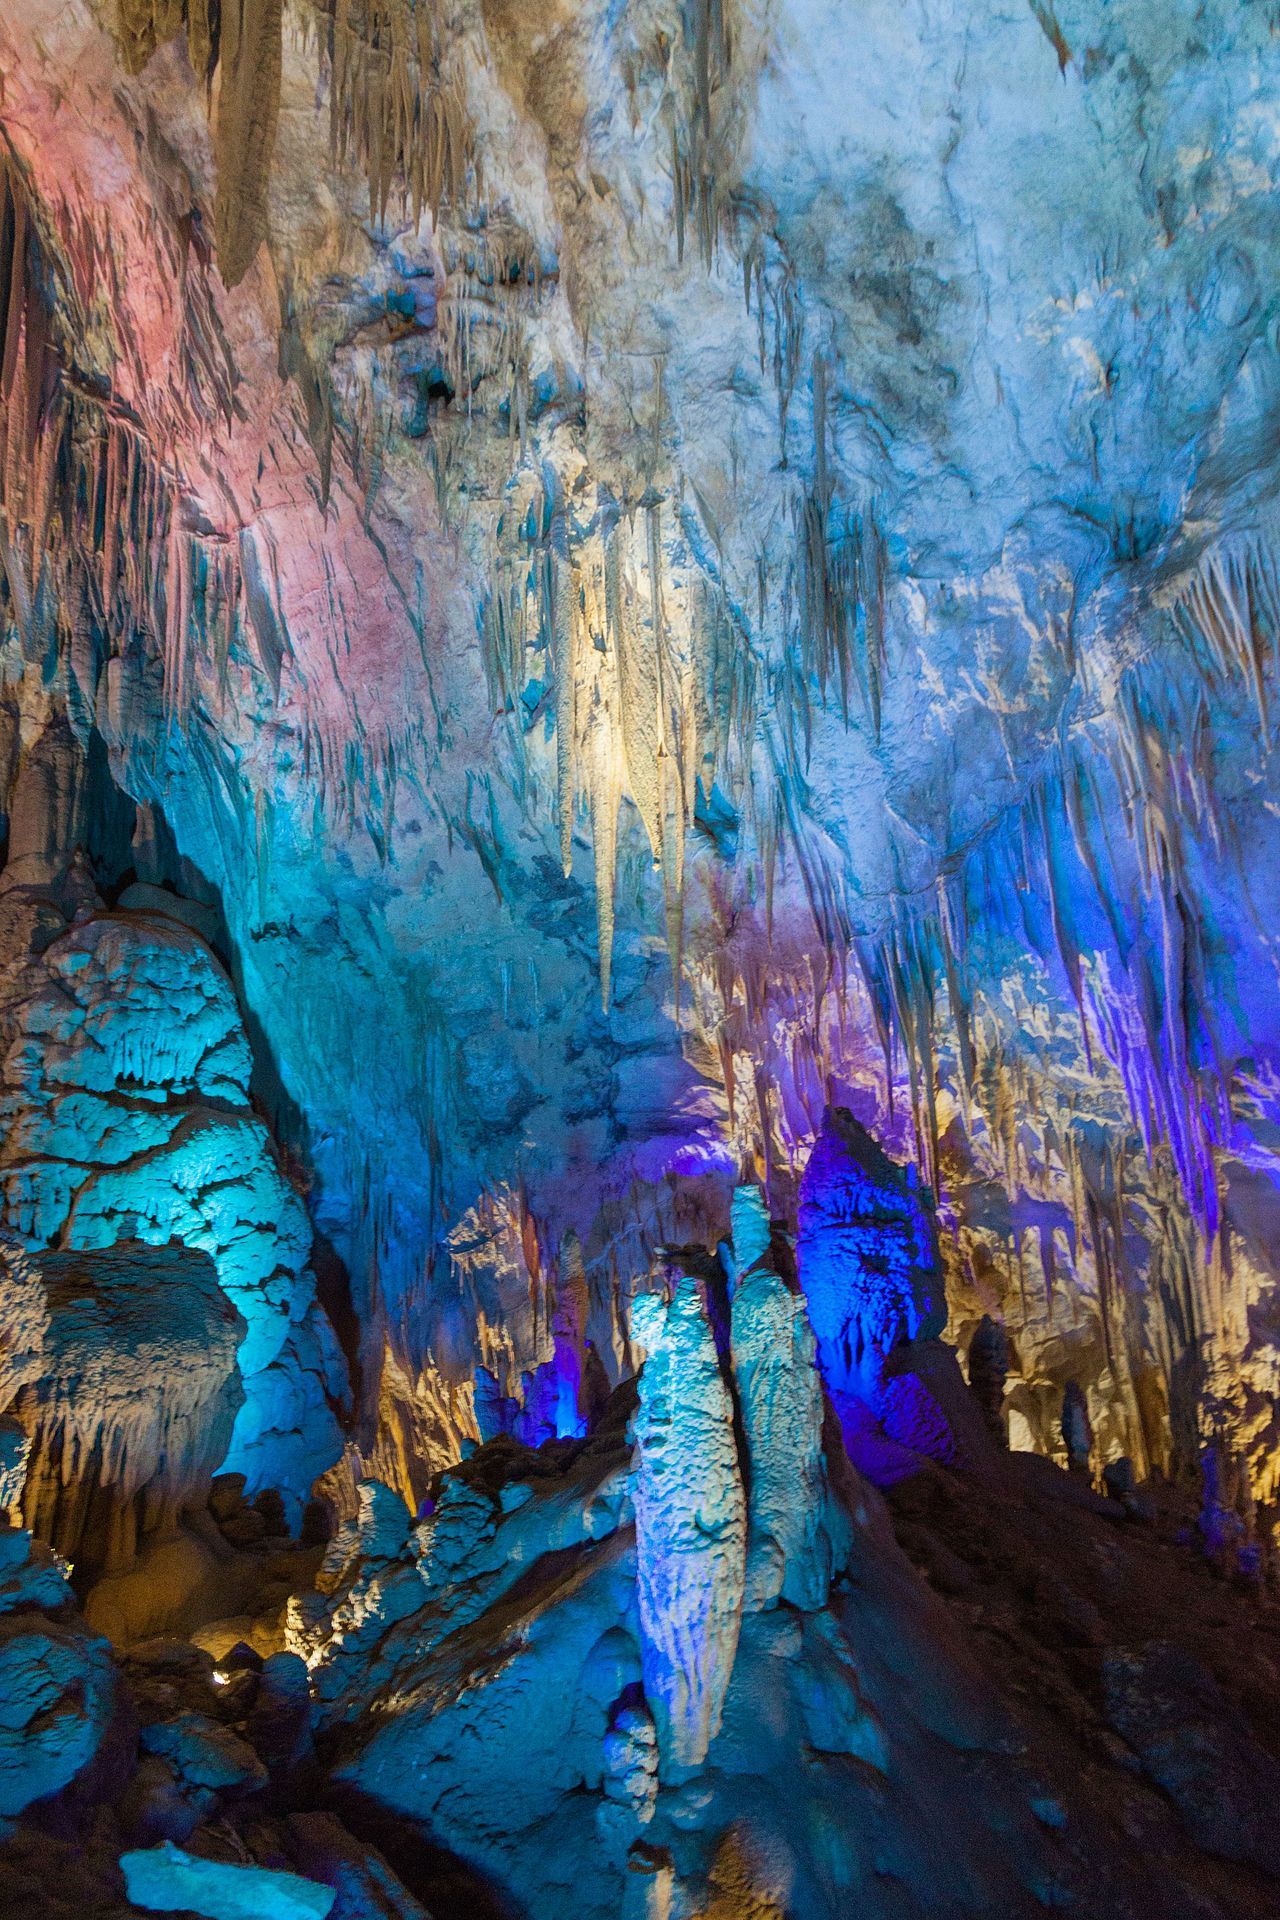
(662, 567)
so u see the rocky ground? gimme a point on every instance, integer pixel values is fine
(1135, 1685)
(1152, 1677)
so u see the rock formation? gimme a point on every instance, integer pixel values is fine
(691, 1524)
(780, 1400)
(134, 1406)
(639, 784)
(125, 1095)
(872, 1277)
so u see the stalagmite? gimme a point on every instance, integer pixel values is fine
(749, 1228)
(780, 1399)
(690, 1525)
(867, 1254)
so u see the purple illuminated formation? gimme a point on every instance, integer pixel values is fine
(867, 1251)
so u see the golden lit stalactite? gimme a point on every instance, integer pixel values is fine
(563, 625)
(650, 697)
(248, 106)
(602, 750)
(239, 41)
(390, 106)
(143, 25)
(639, 715)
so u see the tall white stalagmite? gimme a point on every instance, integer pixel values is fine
(691, 1525)
(780, 1398)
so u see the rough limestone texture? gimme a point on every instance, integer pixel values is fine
(656, 498)
(691, 1524)
(789, 1550)
(207, 1760)
(165, 1879)
(58, 1684)
(748, 1228)
(866, 1251)
(124, 1088)
(137, 1396)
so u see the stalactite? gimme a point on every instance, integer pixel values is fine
(1232, 604)
(390, 106)
(699, 133)
(841, 571)
(143, 25)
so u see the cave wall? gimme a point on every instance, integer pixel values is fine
(687, 580)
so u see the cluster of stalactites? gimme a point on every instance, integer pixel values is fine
(93, 538)
(129, 1405)
(389, 108)
(1109, 849)
(653, 692)
(389, 105)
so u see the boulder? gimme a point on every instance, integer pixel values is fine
(209, 1761)
(57, 1702)
(364, 1886)
(165, 1879)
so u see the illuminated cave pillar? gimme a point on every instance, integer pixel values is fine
(691, 1525)
(780, 1400)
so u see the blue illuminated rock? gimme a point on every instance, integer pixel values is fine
(789, 1550)
(208, 1759)
(165, 1879)
(867, 1254)
(58, 1685)
(691, 1524)
(125, 1082)
(748, 1228)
